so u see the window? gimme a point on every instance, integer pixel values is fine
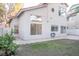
(36, 18)
(54, 28)
(52, 9)
(36, 29)
(36, 25)
(61, 11)
(16, 29)
(63, 29)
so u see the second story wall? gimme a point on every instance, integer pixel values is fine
(54, 16)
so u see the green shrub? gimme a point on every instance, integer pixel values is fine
(7, 45)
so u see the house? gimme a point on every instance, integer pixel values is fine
(73, 21)
(45, 20)
(73, 25)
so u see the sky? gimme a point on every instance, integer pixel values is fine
(30, 3)
(33, 4)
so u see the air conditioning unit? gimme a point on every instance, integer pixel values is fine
(52, 34)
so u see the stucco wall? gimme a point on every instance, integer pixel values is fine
(54, 18)
(74, 21)
(25, 23)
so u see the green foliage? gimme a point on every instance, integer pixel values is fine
(75, 7)
(6, 44)
(13, 31)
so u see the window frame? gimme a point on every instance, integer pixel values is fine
(37, 31)
(61, 11)
(63, 28)
(52, 9)
(37, 20)
(54, 26)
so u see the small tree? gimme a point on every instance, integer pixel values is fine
(7, 45)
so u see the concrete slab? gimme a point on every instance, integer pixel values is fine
(20, 41)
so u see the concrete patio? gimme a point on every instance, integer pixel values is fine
(20, 41)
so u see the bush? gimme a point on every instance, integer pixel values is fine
(7, 45)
